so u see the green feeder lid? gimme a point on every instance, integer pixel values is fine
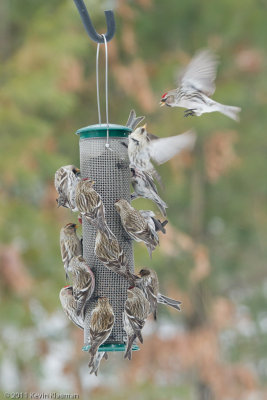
(112, 347)
(100, 131)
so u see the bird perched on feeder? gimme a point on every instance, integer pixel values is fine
(196, 84)
(66, 179)
(69, 305)
(70, 245)
(97, 361)
(144, 147)
(102, 321)
(109, 252)
(89, 203)
(83, 282)
(136, 225)
(149, 284)
(145, 187)
(133, 120)
(136, 311)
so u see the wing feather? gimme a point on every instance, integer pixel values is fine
(200, 73)
(164, 149)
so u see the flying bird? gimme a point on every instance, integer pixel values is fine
(196, 84)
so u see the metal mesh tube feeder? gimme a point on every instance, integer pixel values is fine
(110, 171)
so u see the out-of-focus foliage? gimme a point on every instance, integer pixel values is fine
(213, 256)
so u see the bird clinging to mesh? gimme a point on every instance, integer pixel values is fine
(66, 179)
(70, 245)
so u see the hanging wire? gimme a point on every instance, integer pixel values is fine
(97, 84)
(106, 86)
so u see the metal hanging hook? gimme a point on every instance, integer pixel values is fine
(110, 20)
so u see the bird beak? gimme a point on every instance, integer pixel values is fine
(78, 170)
(144, 127)
(162, 103)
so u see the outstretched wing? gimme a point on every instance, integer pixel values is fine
(164, 149)
(200, 73)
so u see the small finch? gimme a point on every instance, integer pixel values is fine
(66, 179)
(144, 147)
(70, 245)
(109, 252)
(145, 187)
(89, 203)
(69, 305)
(102, 321)
(136, 311)
(196, 84)
(83, 282)
(136, 225)
(149, 284)
(133, 120)
(97, 361)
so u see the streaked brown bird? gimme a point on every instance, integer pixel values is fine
(66, 179)
(149, 284)
(83, 282)
(89, 203)
(145, 187)
(102, 321)
(69, 305)
(136, 225)
(136, 311)
(70, 245)
(110, 253)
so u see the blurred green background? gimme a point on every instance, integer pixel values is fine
(213, 257)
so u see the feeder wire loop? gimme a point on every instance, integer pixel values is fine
(106, 87)
(89, 27)
(107, 145)
(97, 84)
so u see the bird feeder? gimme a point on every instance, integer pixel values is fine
(109, 168)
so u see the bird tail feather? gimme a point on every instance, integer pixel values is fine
(231, 112)
(169, 302)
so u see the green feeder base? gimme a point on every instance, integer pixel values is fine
(112, 347)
